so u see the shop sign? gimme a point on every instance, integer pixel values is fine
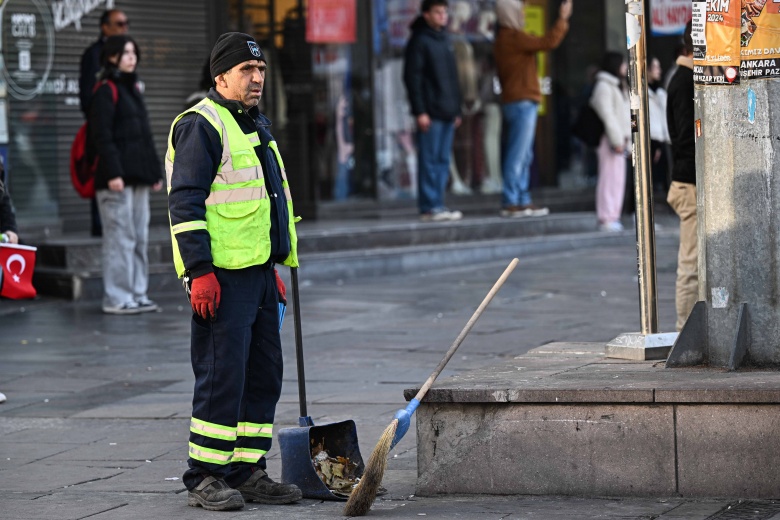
(760, 39)
(331, 21)
(68, 12)
(669, 17)
(26, 46)
(716, 41)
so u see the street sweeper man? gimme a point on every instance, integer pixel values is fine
(232, 220)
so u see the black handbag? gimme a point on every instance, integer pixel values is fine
(588, 126)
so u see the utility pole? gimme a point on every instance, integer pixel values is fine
(736, 321)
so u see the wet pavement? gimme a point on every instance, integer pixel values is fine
(97, 417)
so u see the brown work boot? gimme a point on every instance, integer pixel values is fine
(215, 495)
(260, 488)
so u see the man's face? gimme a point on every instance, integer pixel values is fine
(117, 24)
(243, 83)
(437, 16)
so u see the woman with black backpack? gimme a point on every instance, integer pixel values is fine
(128, 167)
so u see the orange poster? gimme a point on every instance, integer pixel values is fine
(716, 41)
(331, 21)
(760, 39)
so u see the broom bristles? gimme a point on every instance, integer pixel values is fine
(363, 495)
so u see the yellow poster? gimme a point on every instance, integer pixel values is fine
(760, 39)
(534, 25)
(716, 41)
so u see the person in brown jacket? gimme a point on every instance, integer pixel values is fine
(515, 55)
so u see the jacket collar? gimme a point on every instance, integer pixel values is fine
(685, 61)
(237, 109)
(419, 25)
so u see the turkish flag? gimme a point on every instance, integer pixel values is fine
(17, 264)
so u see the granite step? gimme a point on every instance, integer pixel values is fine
(80, 253)
(564, 420)
(70, 267)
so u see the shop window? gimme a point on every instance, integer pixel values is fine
(475, 167)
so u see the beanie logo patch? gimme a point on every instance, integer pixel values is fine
(254, 49)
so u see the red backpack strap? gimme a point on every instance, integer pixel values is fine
(111, 85)
(114, 92)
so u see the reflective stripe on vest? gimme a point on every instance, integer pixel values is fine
(237, 209)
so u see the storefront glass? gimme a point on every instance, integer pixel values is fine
(475, 167)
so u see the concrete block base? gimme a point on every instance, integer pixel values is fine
(563, 420)
(641, 347)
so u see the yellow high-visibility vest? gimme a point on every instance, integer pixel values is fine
(238, 210)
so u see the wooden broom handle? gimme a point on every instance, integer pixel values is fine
(466, 329)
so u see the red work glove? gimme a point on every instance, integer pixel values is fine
(281, 288)
(205, 294)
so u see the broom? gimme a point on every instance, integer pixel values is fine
(363, 495)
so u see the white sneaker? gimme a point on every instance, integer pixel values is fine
(435, 216)
(613, 227)
(146, 305)
(2, 397)
(441, 215)
(125, 308)
(454, 215)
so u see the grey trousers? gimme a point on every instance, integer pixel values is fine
(125, 216)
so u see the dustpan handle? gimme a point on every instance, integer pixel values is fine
(298, 341)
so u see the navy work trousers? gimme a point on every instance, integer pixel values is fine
(237, 361)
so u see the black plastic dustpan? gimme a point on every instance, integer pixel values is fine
(339, 439)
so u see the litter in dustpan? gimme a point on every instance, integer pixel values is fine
(339, 474)
(299, 468)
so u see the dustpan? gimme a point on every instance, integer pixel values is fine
(339, 439)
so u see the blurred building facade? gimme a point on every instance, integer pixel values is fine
(334, 94)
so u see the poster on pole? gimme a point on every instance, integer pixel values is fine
(716, 41)
(760, 39)
(668, 17)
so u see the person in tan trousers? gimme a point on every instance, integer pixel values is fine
(682, 191)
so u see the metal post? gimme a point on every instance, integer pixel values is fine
(647, 344)
(643, 185)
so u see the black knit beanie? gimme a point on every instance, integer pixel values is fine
(231, 49)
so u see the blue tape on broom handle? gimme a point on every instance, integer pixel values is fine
(404, 417)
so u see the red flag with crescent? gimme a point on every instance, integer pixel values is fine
(17, 264)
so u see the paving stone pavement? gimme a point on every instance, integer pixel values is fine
(96, 421)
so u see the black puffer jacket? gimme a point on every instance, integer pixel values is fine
(430, 73)
(121, 135)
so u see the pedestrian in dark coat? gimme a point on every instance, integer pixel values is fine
(682, 191)
(431, 79)
(128, 166)
(113, 22)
